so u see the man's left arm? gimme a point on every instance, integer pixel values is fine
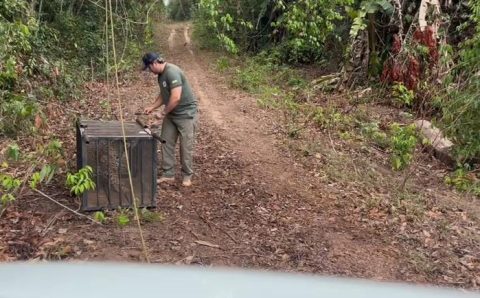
(175, 95)
(174, 81)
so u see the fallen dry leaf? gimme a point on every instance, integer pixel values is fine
(206, 243)
(38, 122)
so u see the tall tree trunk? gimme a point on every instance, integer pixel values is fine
(372, 39)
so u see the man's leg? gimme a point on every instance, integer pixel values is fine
(186, 129)
(169, 135)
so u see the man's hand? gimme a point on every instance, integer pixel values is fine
(148, 110)
(158, 103)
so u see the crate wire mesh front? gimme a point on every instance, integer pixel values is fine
(100, 145)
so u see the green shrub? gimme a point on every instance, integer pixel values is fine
(223, 64)
(402, 95)
(180, 10)
(459, 104)
(297, 30)
(461, 119)
(308, 24)
(17, 114)
(100, 217)
(123, 217)
(463, 180)
(251, 76)
(8, 186)
(81, 181)
(44, 175)
(13, 152)
(331, 118)
(402, 143)
(373, 133)
(47, 48)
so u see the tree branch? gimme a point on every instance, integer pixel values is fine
(66, 207)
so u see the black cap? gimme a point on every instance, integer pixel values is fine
(149, 58)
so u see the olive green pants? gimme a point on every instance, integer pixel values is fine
(172, 130)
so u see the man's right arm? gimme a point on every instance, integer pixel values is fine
(158, 103)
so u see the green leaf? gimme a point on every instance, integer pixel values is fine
(13, 152)
(50, 175)
(35, 180)
(24, 29)
(123, 220)
(7, 198)
(386, 6)
(80, 181)
(44, 172)
(100, 217)
(397, 163)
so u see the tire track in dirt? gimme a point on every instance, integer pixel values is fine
(186, 35)
(171, 37)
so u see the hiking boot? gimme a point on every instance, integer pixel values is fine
(187, 181)
(165, 179)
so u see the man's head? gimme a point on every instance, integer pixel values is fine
(154, 62)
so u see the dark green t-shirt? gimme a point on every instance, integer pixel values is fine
(171, 77)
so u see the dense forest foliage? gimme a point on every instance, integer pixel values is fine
(428, 49)
(48, 48)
